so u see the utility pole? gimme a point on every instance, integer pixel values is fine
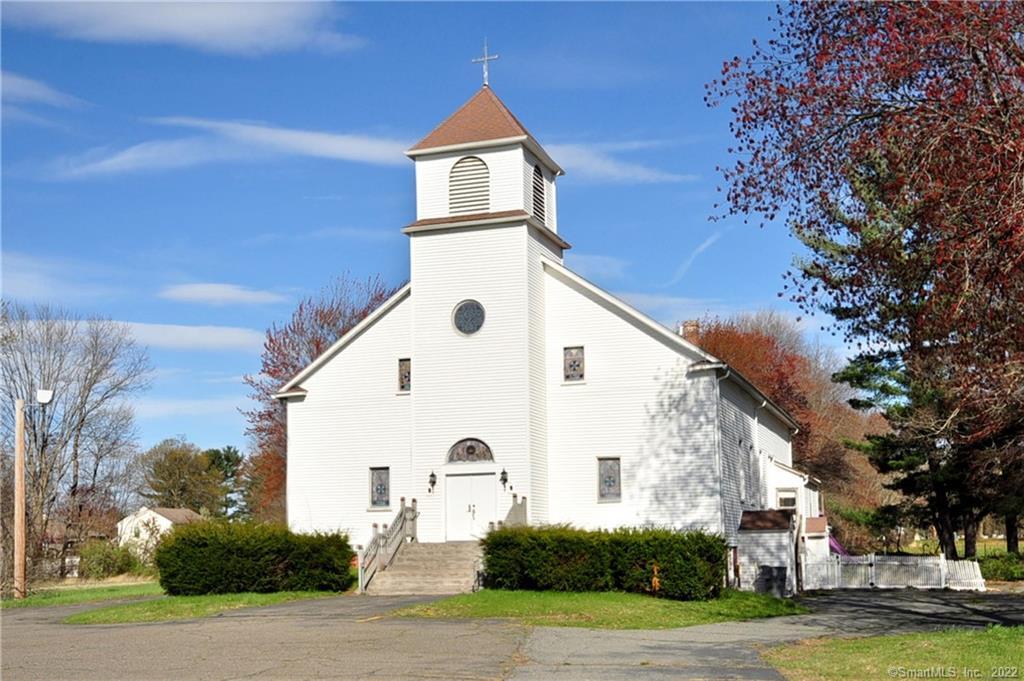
(19, 498)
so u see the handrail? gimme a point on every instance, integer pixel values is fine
(385, 545)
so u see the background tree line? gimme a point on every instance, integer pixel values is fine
(84, 470)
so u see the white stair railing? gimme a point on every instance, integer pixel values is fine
(386, 542)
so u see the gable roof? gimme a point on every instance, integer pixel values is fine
(484, 117)
(178, 516)
(483, 121)
(292, 389)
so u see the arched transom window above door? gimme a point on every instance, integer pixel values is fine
(469, 187)
(469, 450)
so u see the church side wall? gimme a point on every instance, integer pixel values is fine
(743, 484)
(352, 419)
(638, 403)
(773, 437)
(504, 166)
(473, 386)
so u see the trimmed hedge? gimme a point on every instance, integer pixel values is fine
(690, 565)
(220, 557)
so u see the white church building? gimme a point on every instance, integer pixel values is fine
(499, 374)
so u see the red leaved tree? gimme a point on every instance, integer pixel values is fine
(772, 353)
(891, 135)
(317, 322)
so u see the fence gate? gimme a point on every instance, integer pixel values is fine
(892, 572)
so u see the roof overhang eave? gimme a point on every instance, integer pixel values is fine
(527, 141)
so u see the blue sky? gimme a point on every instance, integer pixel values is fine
(195, 169)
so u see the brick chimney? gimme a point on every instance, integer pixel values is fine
(690, 330)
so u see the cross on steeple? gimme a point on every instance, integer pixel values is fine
(484, 59)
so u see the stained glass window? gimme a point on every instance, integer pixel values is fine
(573, 364)
(609, 480)
(404, 375)
(470, 450)
(380, 487)
(469, 316)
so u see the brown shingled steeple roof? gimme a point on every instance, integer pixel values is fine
(483, 118)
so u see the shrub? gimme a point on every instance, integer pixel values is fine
(99, 559)
(1005, 567)
(690, 565)
(221, 557)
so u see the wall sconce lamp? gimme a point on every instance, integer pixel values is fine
(503, 478)
(432, 480)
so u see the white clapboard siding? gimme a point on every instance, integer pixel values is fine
(352, 418)
(505, 182)
(636, 402)
(470, 386)
(773, 437)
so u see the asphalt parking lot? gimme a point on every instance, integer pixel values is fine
(352, 637)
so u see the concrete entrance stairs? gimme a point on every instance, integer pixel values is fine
(447, 568)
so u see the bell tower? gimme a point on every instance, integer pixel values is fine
(482, 161)
(485, 222)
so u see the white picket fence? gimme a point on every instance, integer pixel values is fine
(892, 572)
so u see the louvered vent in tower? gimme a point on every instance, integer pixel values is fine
(538, 193)
(469, 187)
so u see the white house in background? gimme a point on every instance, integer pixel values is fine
(497, 372)
(144, 527)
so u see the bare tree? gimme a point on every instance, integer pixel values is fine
(80, 446)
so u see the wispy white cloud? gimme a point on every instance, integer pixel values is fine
(188, 337)
(229, 141)
(18, 88)
(597, 163)
(241, 28)
(163, 407)
(671, 309)
(597, 266)
(17, 114)
(685, 265)
(147, 156)
(220, 294)
(341, 146)
(55, 280)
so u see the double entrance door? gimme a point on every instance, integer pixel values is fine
(471, 504)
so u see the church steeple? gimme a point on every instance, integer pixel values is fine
(482, 160)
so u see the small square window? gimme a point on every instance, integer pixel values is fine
(609, 479)
(404, 375)
(380, 487)
(573, 364)
(785, 498)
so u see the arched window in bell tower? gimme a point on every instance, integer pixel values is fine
(469, 187)
(538, 194)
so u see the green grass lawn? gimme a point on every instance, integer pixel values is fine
(606, 610)
(186, 607)
(70, 595)
(880, 657)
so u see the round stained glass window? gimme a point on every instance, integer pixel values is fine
(469, 316)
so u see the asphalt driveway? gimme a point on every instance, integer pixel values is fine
(351, 637)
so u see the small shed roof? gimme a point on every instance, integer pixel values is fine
(178, 516)
(766, 520)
